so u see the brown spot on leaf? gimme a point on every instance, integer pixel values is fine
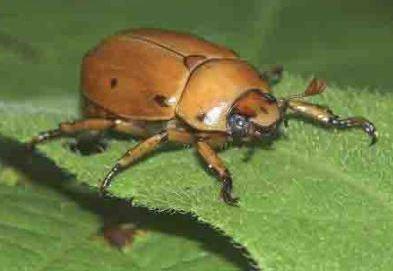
(120, 235)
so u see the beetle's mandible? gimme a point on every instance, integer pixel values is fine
(169, 86)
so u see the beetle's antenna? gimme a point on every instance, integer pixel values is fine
(315, 87)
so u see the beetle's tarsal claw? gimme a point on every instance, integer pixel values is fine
(103, 192)
(226, 193)
(358, 122)
(30, 146)
(369, 128)
(108, 179)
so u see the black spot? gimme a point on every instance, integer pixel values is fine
(113, 83)
(201, 116)
(161, 100)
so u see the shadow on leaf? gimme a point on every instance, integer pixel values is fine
(43, 172)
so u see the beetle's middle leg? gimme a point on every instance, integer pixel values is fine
(132, 155)
(326, 117)
(214, 162)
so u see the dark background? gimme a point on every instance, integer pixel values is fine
(348, 42)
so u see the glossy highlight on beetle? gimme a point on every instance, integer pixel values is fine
(164, 86)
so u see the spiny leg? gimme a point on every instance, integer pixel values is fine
(214, 162)
(327, 117)
(133, 155)
(75, 127)
(69, 129)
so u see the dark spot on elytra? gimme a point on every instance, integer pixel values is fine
(113, 83)
(201, 116)
(161, 100)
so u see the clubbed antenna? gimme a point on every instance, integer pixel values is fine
(315, 87)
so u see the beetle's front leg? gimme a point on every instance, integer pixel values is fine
(132, 155)
(214, 162)
(327, 117)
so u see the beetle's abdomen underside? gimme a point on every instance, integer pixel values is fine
(141, 74)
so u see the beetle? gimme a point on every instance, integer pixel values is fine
(166, 86)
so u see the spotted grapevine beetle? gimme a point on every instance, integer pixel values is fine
(169, 86)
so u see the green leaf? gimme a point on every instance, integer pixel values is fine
(317, 199)
(44, 230)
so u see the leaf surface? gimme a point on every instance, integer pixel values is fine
(44, 230)
(317, 197)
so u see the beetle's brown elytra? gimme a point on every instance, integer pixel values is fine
(169, 86)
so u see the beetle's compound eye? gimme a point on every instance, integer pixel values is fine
(239, 125)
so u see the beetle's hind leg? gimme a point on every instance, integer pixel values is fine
(214, 162)
(71, 129)
(132, 155)
(326, 117)
(92, 125)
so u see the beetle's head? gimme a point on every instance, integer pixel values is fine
(255, 114)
